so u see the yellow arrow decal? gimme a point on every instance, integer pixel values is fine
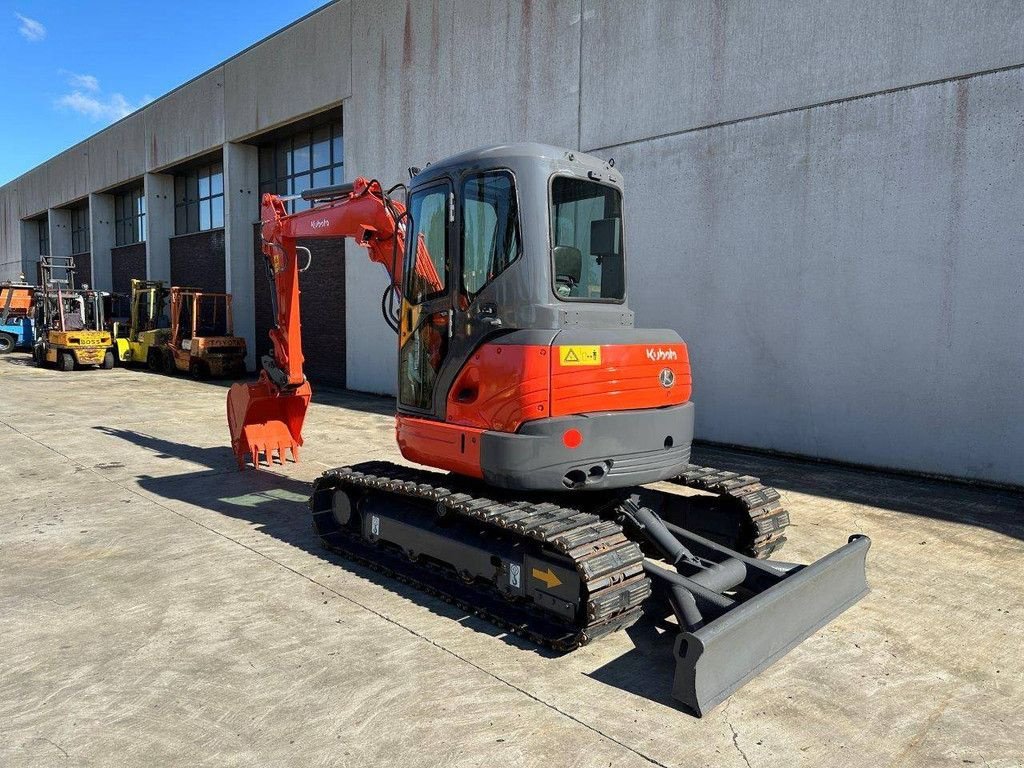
(548, 577)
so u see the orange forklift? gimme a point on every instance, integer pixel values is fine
(202, 340)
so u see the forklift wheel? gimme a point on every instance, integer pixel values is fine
(39, 356)
(66, 361)
(6, 343)
(108, 361)
(154, 361)
(197, 370)
(170, 368)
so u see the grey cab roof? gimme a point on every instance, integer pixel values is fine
(518, 155)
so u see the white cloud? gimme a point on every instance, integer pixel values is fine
(81, 82)
(88, 99)
(97, 106)
(31, 29)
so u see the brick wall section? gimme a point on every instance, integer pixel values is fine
(83, 269)
(127, 262)
(197, 260)
(323, 310)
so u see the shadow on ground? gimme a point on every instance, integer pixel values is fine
(18, 359)
(277, 505)
(998, 510)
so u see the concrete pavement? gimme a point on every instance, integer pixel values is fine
(157, 607)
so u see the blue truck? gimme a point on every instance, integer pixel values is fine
(16, 333)
(17, 329)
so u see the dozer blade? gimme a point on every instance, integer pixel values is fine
(263, 420)
(719, 657)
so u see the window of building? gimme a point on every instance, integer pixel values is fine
(199, 199)
(306, 159)
(44, 237)
(80, 229)
(130, 217)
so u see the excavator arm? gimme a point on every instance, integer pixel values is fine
(268, 415)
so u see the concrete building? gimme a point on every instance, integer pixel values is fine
(825, 199)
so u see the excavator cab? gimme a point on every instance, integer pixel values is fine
(519, 362)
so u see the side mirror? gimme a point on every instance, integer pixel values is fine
(604, 240)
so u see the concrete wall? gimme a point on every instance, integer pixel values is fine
(298, 71)
(848, 277)
(241, 209)
(101, 238)
(684, 65)
(823, 198)
(434, 79)
(816, 200)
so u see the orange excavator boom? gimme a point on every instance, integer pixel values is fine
(267, 416)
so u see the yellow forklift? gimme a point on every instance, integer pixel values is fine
(201, 340)
(141, 339)
(71, 326)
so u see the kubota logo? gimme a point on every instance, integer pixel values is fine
(657, 355)
(319, 223)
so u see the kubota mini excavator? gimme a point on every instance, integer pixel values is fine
(521, 373)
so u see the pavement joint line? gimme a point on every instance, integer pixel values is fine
(553, 707)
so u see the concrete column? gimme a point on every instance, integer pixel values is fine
(30, 249)
(241, 210)
(60, 231)
(159, 191)
(59, 221)
(101, 240)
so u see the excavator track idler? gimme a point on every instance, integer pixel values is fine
(755, 509)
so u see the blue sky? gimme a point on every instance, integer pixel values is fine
(72, 68)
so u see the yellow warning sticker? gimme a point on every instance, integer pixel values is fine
(578, 355)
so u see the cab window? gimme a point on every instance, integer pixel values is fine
(427, 270)
(490, 229)
(586, 240)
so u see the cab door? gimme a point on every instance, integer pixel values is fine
(426, 321)
(489, 243)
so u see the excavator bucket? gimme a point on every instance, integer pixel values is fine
(264, 419)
